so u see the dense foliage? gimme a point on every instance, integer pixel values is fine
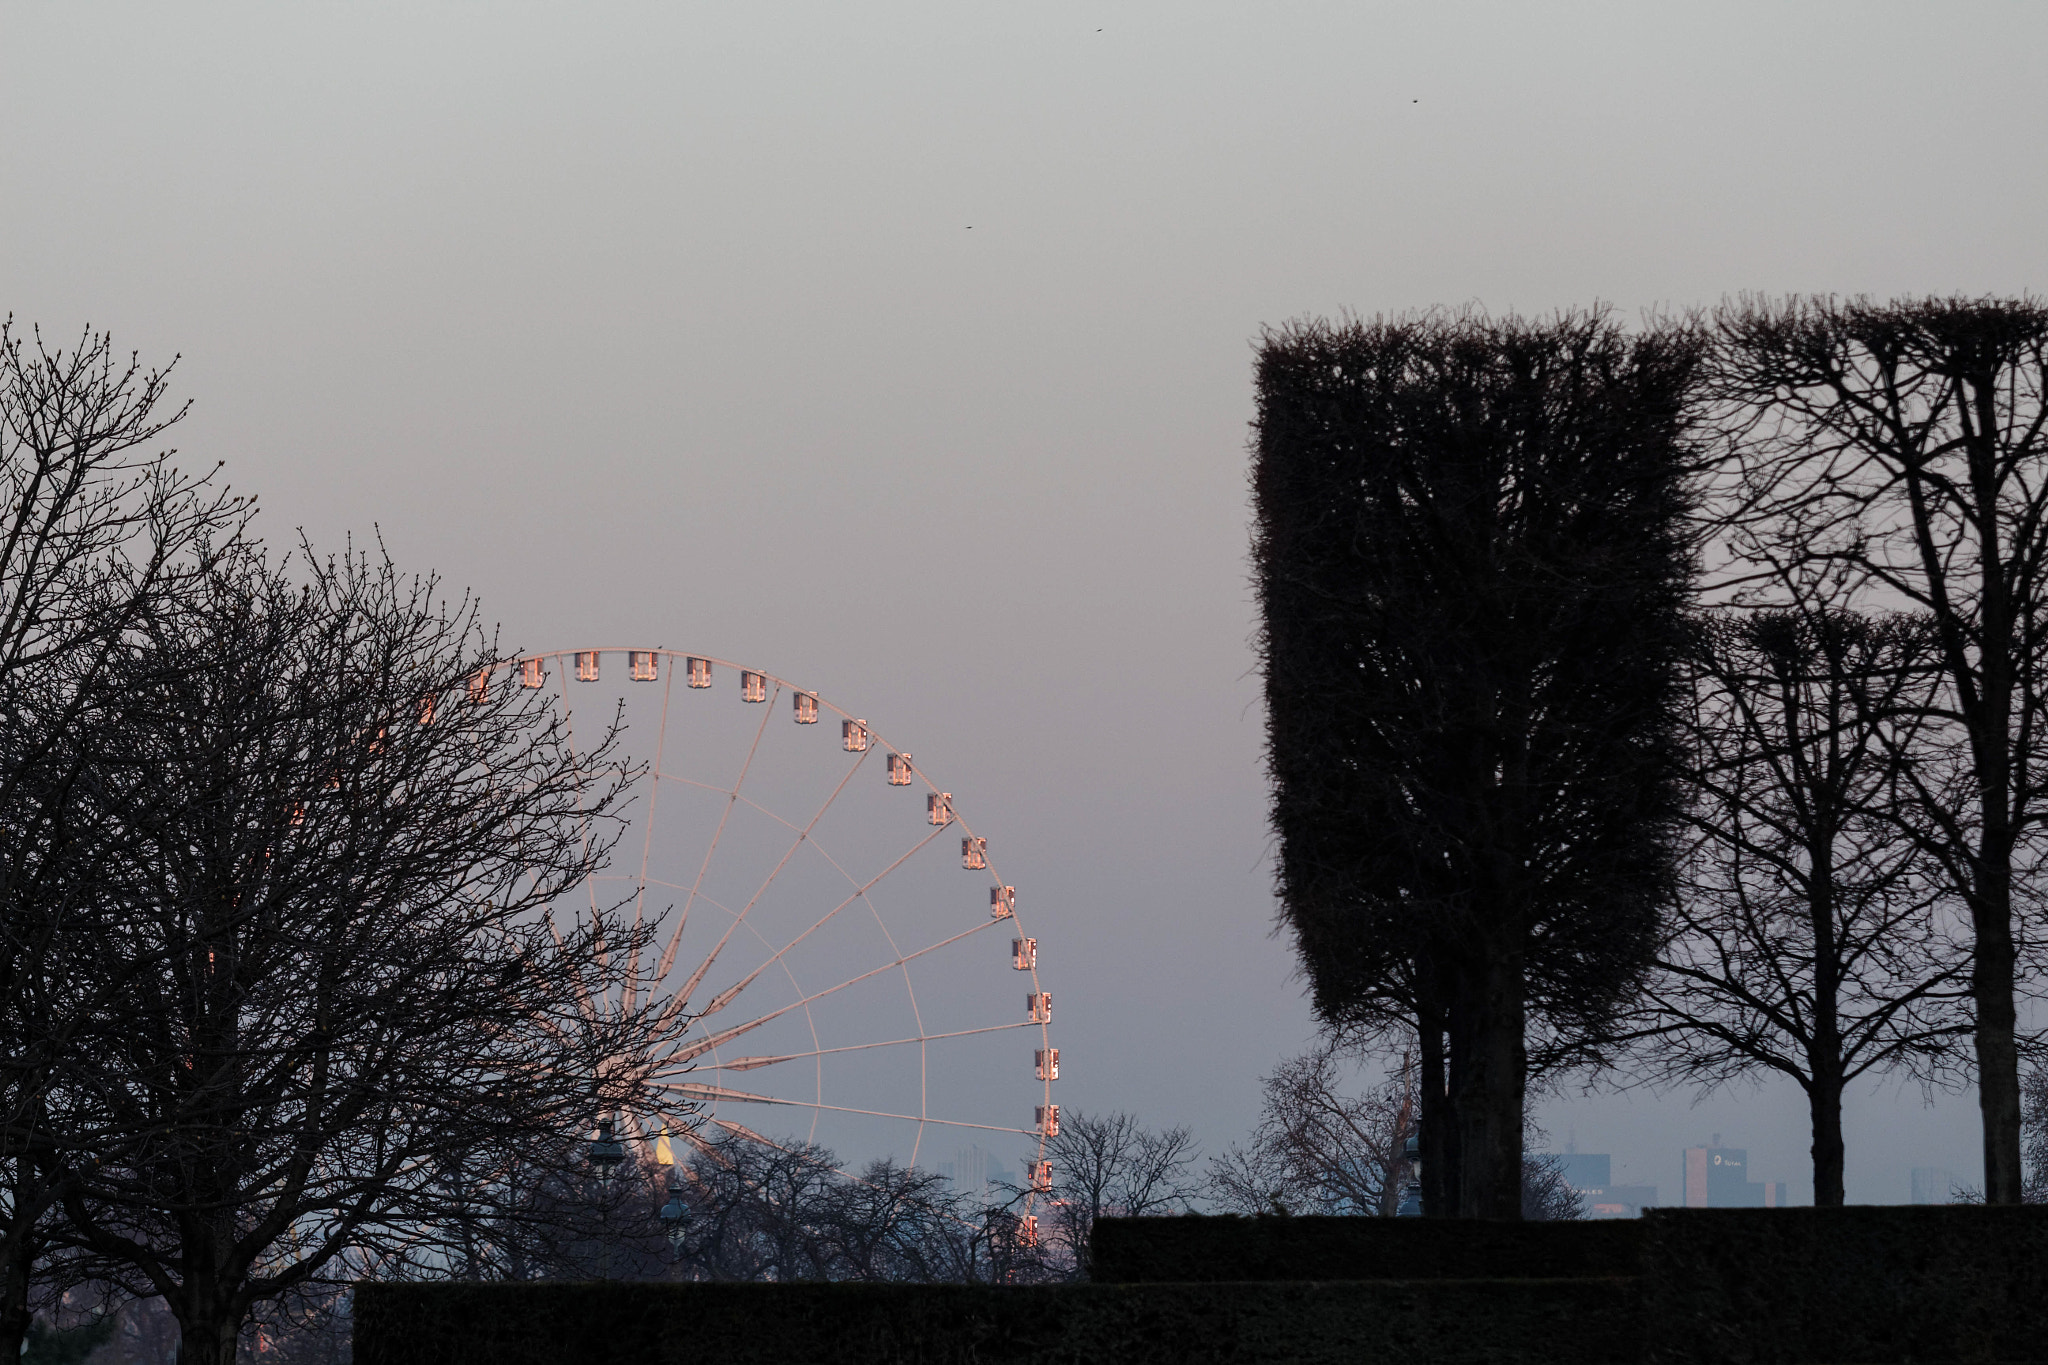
(1471, 563)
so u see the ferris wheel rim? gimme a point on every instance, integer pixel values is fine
(564, 660)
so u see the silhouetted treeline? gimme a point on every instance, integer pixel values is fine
(1666, 701)
(1519, 793)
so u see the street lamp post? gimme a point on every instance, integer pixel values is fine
(604, 1154)
(606, 1151)
(675, 1214)
(1411, 1189)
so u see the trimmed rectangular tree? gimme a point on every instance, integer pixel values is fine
(1471, 563)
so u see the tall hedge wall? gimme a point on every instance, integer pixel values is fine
(1140, 1250)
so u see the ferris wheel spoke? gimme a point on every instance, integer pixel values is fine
(729, 792)
(916, 1010)
(731, 993)
(584, 1003)
(743, 798)
(755, 1063)
(665, 885)
(716, 1093)
(704, 1045)
(582, 775)
(682, 997)
(586, 1006)
(732, 798)
(698, 1090)
(629, 990)
(804, 834)
(741, 1130)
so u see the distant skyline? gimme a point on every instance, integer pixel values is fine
(906, 349)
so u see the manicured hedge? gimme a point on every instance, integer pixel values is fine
(1521, 1322)
(1866, 1284)
(1142, 1250)
(1857, 1286)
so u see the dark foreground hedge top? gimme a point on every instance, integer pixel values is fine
(1528, 1322)
(1150, 1250)
(1857, 1286)
(1877, 1283)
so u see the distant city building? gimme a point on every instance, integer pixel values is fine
(1933, 1185)
(1591, 1176)
(1584, 1170)
(1717, 1177)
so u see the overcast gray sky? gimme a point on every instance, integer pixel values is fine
(906, 349)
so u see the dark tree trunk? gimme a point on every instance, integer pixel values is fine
(1992, 979)
(207, 1343)
(28, 1200)
(14, 1311)
(209, 1322)
(1824, 1099)
(1457, 1063)
(1998, 1058)
(1439, 1144)
(1490, 1097)
(1824, 1063)
(1993, 965)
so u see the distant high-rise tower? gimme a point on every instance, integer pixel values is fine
(1717, 1177)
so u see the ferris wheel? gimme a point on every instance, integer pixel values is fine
(849, 955)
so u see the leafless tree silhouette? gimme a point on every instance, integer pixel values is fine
(97, 524)
(1322, 1145)
(756, 1211)
(345, 968)
(1812, 938)
(1896, 452)
(1111, 1164)
(2034, 1112)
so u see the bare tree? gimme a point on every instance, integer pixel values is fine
(1899, 449)
(744, 1208)
(1547, 1197)
(1811, 940)
(900, 1224)
(350, 835)
(2034, 1112)
(95, 526)
(758, 1210)
(1327, 1145)
(1321, 1146)
(764, 1213)
(1111, 1164)
(1249, 1178)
